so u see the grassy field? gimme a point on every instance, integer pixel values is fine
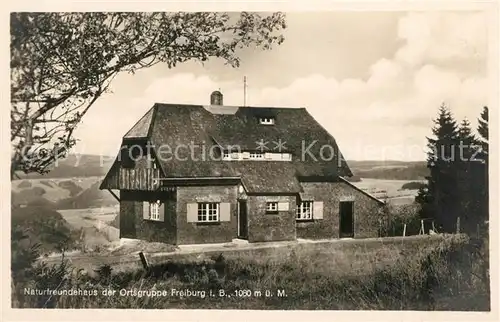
(423, 274)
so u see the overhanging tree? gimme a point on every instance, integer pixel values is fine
(61, 63)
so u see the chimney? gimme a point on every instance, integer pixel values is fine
(216, 98)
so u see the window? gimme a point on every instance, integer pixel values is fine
(304, 210)
(154, 210)
(256, 155)
(266, 120)
(208, 211)
(271, 207)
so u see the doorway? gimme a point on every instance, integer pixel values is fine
(242, 219)
(346, 217)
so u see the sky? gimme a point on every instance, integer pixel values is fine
(374, 80)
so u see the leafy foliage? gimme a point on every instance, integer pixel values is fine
(61, 63)
(394, 218)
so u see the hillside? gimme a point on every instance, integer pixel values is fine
(43, 226)
(389, 170)
(74, 166)
(78, 193)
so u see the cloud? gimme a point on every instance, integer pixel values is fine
(385, 115)
(438, 36)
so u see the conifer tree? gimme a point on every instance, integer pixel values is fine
(483, 128)
(481, 170)
(467, 201)
(438, 197)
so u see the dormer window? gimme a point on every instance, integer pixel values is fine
(266, 120)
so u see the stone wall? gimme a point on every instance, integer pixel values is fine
(200, 233)
(270, 227)
(366, 211)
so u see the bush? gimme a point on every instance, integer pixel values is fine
(395, 217)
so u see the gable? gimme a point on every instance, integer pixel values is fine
(141, 128)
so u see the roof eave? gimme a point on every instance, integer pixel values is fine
(362, 191)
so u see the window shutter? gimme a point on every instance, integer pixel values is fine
(318, 210)
(283, 206)
(225, 211)
(192, 212)
(162, 211)
(145, 209)
(246, 155)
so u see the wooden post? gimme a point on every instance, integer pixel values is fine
(404, 230)
(422, 231)
(458, 225)
(144, 261)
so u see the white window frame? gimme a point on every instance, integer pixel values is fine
(208, 211)
(256, 155)
(305, 210)
(266, 120)
(271, 206)
(154, 210)
(286, 156)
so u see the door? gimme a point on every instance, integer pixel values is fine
(242, 220)
(346, 218)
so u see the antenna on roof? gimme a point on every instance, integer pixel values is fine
(244, 91)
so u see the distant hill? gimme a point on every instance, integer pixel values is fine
(58, 193)
(89, 198)
(76, 165)
(88, 165)
(389, 170)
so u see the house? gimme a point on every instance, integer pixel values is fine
(190, 174)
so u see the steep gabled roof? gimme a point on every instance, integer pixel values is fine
(142, 127)
(174, 128)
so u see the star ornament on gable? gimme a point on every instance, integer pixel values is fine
(261, 145)
(279, 145)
